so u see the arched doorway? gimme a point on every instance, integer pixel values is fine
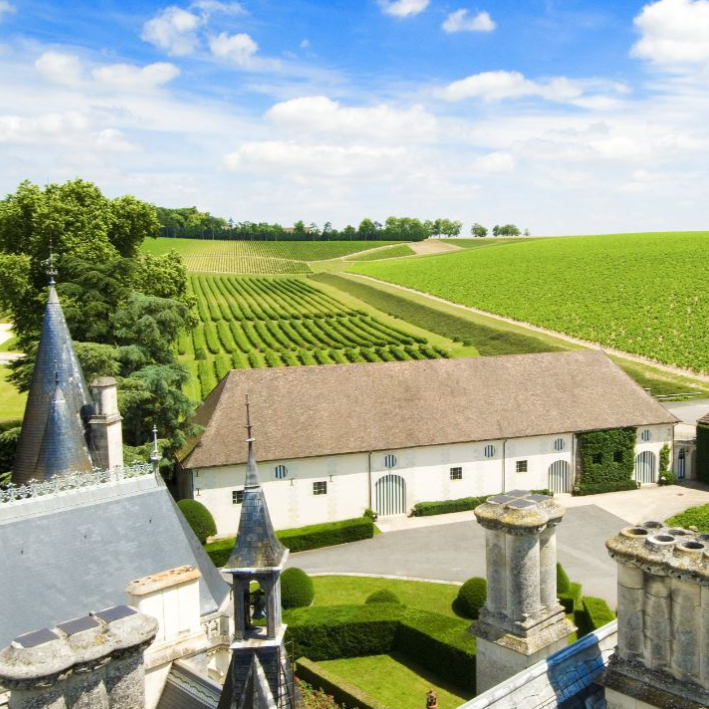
(560, 476)
(391, 495)
(645, 467)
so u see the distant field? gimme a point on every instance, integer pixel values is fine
(646, 294)
(251, 322)
(486, 241)
(379, 254)
(255, 257)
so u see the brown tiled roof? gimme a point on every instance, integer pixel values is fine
(302, 412)
(704, 420)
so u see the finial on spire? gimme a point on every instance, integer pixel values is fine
(51, 268)
(249, 425)
(155, 453)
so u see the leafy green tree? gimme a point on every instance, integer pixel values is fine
(299, 229)
(366, 229)
(478, 230)
(496, 230)
(509, 230)
(349, 232)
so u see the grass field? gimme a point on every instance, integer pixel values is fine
(13, 403)
(640, 293)
(380, 254)
(251, 322)
(344, 590)
(256, 257)
(395, 681)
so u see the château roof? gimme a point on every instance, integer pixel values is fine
(256, 545)
(328, 410)
(56, 361)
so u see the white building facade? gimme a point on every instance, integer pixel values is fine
(340, 439)
(331, 488)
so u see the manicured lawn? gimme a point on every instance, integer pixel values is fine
(342, 590)
(12, 404)
(11, 345)
(395, 681)
(693, 517)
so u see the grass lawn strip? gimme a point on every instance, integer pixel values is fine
(395, 680)
(348, 590)
(13, 403)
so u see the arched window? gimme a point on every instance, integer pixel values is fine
(646, 435)
(559, 444)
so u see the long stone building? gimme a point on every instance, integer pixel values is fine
(344, 438)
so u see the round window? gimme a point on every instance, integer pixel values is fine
(559, 444)
(281, 472)
(489, 451)
(389, 460)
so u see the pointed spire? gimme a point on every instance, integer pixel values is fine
(56, 365)
(256, 545)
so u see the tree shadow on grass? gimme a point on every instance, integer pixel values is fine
(429, 676)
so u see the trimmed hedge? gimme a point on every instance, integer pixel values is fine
(313, 536)
(9, 436)
(563, 583)
(200, 519)
(703, 452)
(342, 692)
(462, 504)
(594, 613)
(601, 471)
(572, 599)
(383, 595)
(471, 598)
(297, 590)
(438, 643)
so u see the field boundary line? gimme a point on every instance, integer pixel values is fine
(669, 368)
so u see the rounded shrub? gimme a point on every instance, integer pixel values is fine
(471, 598)
(563, 583)
(199, 518)
(383, 595)
(297, 590)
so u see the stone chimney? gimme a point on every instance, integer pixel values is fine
(106, 435)
(522, 621)
(662, 657)
(95, 661)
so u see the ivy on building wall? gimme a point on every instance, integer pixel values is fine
(607, 461)
(703, 452)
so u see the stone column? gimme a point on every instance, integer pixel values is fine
(496, 562)
(239, 588)
(631, 618)
(523, 596)
(547, 567)
(105, 424)
(686, 630)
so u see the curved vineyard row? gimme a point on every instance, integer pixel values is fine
(251, 322)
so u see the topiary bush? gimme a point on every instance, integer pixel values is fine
(199, 518)
(471, 598)
(563, 583)
(297, 590)
(383, 595)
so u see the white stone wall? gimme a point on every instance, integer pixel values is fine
(426, 471)
(659, 435)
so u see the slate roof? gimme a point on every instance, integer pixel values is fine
(317, 411)
(67, 554)
(704, 420)
(56, 360)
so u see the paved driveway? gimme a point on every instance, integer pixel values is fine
(689, 411)
(454, 552)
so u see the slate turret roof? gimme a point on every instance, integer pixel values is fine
(46, 408)
(256, 546)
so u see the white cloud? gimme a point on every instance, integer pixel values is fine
(55, 126)
(6, 8)
(499, 85)
(237, 48)
(324, 160)
(173, 30)
(497, 162)
(459, 21)
(321, 116)
(305, 43)
(113, 140)
(58, 68)
(129, 77)
(403, 8)
(227, 8)
(674, 32)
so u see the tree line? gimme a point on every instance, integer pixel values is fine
(190, 223)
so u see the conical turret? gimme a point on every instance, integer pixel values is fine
(55, 361)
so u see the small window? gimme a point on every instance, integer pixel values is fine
(320, 488)
(521, 466)
(456, 473)
(281, 472)
(390, 460)
(489, 451)
(559, 444)
(237, 497)
(617, 456)
(682, 454)
(645, 435)
(597, 458)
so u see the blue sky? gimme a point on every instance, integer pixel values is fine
(561, 116)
